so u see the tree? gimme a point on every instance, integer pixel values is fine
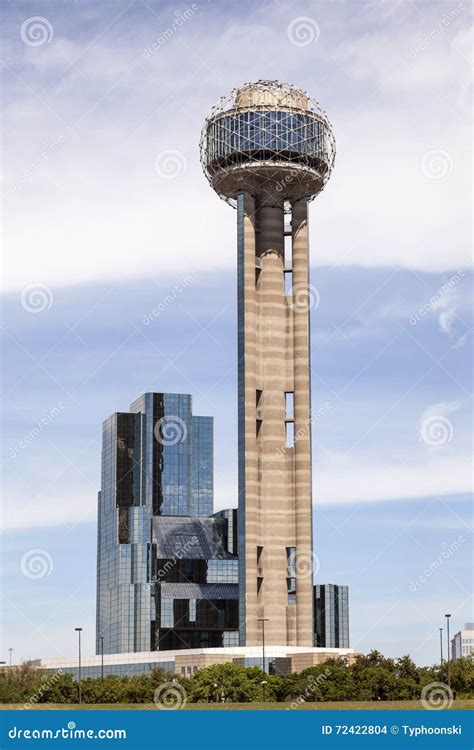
(229, 682)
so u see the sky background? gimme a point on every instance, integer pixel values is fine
(107, 213)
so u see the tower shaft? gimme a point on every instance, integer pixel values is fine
(275, 511)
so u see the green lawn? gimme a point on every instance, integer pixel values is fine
(332, 706)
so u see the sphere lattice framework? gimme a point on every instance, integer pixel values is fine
(267, 138)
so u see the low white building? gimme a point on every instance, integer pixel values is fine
(278, 660)
(462, 644)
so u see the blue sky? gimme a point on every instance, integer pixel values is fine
(97, 238)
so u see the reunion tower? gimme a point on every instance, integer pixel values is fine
(268, 149)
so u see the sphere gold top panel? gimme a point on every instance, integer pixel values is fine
(270, 139)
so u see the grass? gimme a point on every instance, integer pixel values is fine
(327, 706)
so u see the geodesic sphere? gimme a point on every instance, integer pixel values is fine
(267, 137)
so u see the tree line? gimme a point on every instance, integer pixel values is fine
(370, 677)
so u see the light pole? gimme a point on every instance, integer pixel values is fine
(263, 683)
(441, 645)
(78, 631)
(263, 620)
(448, 658)
(102, 657)
(11, 650)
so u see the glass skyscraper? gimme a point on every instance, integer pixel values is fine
(167, 568)
(331, 616)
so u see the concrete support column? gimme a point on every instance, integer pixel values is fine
(248, 481)
(275, 491)
(302, 417)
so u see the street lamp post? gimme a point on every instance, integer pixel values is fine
(263, 620)
(448, 657)
(78, 631)
(102, 657)
(441, 645)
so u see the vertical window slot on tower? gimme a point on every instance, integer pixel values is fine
(289, 405)
(258, 396)
(288, 252)
(259, 568)
(288, 282)
(289, 434)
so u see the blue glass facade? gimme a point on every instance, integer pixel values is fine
(195, 582)
(266, 135)
(156, 493)
(331, 609)
(168, 451)
(202, 477)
